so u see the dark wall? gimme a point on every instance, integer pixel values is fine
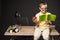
(54, 7)
(27, 8)
(0, 12)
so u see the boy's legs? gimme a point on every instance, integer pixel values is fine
(37, 34)
(45, 34)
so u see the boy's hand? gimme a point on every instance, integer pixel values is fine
(48, 22)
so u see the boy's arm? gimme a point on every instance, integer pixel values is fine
(34, 19)
(36, 22)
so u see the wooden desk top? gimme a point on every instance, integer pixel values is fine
(28, 31)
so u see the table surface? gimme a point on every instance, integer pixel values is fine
(28, 31)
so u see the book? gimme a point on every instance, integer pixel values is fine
(45, 17)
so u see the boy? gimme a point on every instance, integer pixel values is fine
(42, 28)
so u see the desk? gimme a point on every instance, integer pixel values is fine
(29, 31)
(54, 32)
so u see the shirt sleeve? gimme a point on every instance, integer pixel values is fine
(37, 16)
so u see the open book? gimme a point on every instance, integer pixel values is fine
(45, 17)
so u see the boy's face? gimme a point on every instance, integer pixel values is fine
(43, 8)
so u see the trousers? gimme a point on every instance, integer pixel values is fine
(41, 31)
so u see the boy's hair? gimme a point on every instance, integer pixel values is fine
(42, 3)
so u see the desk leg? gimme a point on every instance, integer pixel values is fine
(12, 38)
(52, 38)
